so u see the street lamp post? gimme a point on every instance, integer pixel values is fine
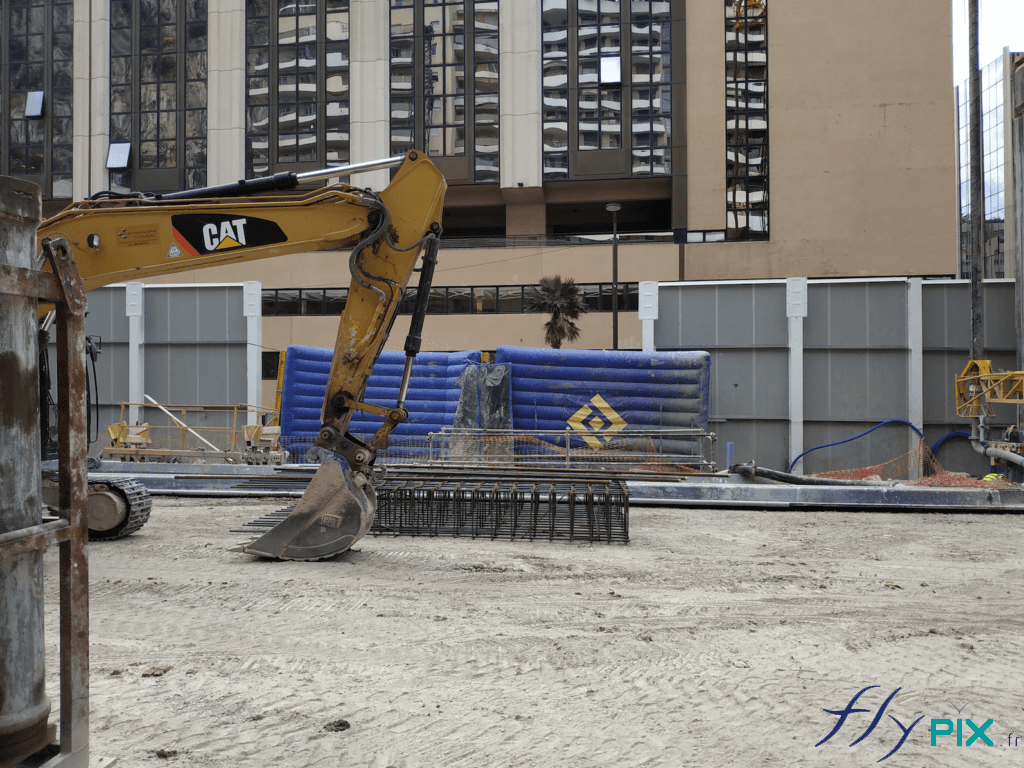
(614, 208)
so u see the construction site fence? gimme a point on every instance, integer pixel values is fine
(670, 451)
(218, 425)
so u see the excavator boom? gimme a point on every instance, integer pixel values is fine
(127, 237)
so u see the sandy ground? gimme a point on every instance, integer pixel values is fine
(713, 638)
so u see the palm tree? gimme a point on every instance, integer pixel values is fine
(562, 299)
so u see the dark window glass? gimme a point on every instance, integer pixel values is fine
(591, 296)
(484, 299)
(444, 81)
(269, 308)
(746, 120)
(437, 304)
(312, 302)
(453, 300)
(632, 293)
(460, 301)
(334, 300)
(288, 302)
(297, 93)
(36, 91)
(594, 98)
(510, 299)
(408, 303)
(158, 71)
(270, 364)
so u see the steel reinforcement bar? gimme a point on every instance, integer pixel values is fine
(593, 510)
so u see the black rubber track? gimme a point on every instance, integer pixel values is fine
(139, 505)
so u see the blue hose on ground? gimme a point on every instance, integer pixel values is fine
(865, 432)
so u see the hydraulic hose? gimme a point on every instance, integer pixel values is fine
(847, 440)
(752, 470)
(955, 433)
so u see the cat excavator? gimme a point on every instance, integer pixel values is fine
(116, 236)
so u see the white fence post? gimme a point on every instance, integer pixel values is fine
(796, 311)
(648, 312)
(135, 309)
(252, 304)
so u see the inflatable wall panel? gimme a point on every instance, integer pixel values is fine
(431, 401)
(599, 394)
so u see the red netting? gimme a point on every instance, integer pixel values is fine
(917, 467)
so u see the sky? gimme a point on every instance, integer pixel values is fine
(1000, 23)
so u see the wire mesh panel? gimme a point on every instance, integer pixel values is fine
(677, 450)
(555, 507)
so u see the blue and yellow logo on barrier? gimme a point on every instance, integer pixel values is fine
(598, 419)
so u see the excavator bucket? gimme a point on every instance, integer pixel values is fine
(336, 510)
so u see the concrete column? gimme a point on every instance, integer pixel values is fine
(519, 87)
(135, 309)
(225, 108)
(252, 292)
(915, 359)
(91, 97)
(796, 311)
(369, 95)
(648, 312)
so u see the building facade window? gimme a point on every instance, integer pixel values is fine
(746, 119)
(444, 84)
(36, 53)
(455, 300)
(297, 85)
(993, 159)
(607, 106)
(158, 94)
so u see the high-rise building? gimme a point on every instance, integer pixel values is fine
(741, 138)
(997, 169)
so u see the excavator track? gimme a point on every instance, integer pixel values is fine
(115, 507)
(139, 505)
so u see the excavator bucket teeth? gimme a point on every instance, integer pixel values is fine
(332, 515)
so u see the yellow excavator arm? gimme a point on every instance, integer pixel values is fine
(117, 237)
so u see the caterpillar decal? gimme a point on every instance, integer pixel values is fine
(198, 234)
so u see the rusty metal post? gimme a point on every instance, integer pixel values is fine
(72, 446)
(24, 707)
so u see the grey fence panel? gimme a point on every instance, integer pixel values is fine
(882, 445)
(760, 440)
(196, 373)
(736, 394)
(106, 315)
(856, 385)
(1000, 331)
(105, 318)
(856, 347)
(195, 351)
(711, 315)
(856, 315)
(857, 365)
